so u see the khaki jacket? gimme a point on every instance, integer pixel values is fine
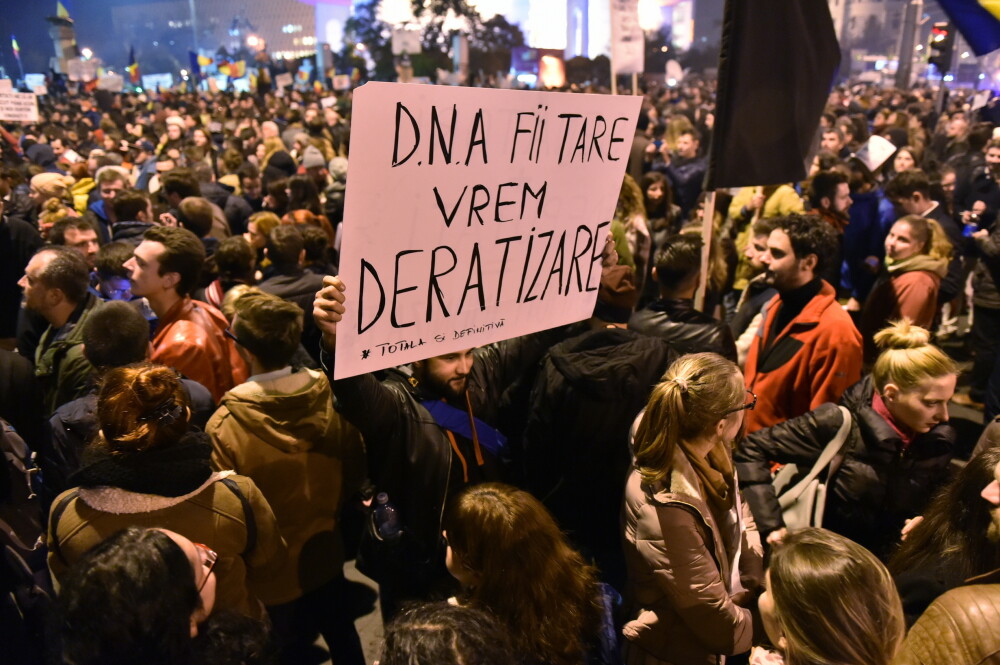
(211, 515)
(284, 433)
(959, 628)
(678, 569)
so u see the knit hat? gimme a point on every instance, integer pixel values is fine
(312, 158)
(41, 154)
(617, 295)
(50, 185)
(338, 168)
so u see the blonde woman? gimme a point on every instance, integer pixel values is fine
(691, 548)
(829, 601)
(917, 252)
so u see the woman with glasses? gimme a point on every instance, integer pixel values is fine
(897, 452)
(691, 548)
(146, 467)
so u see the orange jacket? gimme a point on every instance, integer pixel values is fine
(191, 339)
(812, 361)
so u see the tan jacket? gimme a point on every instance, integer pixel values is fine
(679, 570)
(959, 628)
(285, 434)
(211, 515)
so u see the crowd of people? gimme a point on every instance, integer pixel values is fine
(598, 493)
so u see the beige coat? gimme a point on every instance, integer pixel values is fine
(678, 569)
(959, 628)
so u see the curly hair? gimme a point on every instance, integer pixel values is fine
(140, 407)
(509, 541)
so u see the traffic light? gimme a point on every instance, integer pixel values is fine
(941, 46)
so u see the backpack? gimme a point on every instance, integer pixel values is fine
(804, 503)
(26, 586)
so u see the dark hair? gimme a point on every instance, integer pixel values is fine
(763, 226)
(234, 259)
(315, 242)
(269, 327)
(284, 246)
(248, 170)
(115, 335)
(229, 638)
(67, 271)
(57, 234)
(661, 210)
(446, 634)
(128, 600)
(809, 234)
(202, 172)
(183, 253)
(276, 190)
(824, 185)
(195, 214)
(181, 182)
(303, 195)
(953, 531)
(129, 203)
(678, 259)
(907, 183)
(111, 258)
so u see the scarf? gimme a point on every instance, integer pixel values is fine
(917, 262)
(171, 471)
(715, 471)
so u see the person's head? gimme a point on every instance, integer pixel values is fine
(688, 143)
(657, 193)
(316, 243)
(702, 396)
(235, 260)
(110, 182)
(906, 158)
(113, 276)
(957, 127)
(500, 538)
(797, 250)
(115, 335)
(56, 278)
(992, 156)
(259, 227)
(446, 375)
(169, 259)
(269, 130)
(195, 214)
(285, 247)
(178, 184)
(912, 235)
(677, 265)
(757, 243)
(136, 597)
(52, 212)
(832, 140)
(250, 183)
(303, 194)
(446, 634)
(268, 328)
(830, 600)
(141, 407)
(910, 192)
(133, 206)
(78, 234)
(44, 186)
(914, 378)
(829, 191)
(961, 525)
(948, 182)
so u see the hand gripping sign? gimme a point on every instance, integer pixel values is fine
(473, 215)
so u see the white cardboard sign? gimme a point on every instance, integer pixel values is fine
(628, 44)
(19, 107)
(473, 215)
(283, 80)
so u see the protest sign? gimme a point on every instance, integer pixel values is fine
(18, 107)
(327, 102)
(41, 90)
(342, 82)
(628, 44)
(473, 215)
(283, 80)
(164, 81)
(111, 83)
(6, 85)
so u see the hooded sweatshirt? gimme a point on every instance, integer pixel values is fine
(281, 430)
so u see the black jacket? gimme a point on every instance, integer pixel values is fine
(409, 454)
(878, 486)
(686, 329)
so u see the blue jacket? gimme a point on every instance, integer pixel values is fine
(872, 215)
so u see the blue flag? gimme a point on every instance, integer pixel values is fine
(979, 26)
(195, 67)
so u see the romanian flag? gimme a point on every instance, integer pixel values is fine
(61, 10)
(317, 86)
(133, 67)
(238, 69)
(977, 20)
(14, 47)
(204, 61)
(224, 68)
(195, 64)
(302, 75)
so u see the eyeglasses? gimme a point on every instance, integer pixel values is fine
(208, 559)
(231, 335)
(748, 406)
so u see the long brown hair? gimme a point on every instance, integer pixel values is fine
(527, 574)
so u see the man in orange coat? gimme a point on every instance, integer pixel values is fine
(807, 350)
(190, 335)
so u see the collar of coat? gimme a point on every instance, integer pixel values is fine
(119, 501)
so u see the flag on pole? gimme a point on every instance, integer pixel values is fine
(238, 69)
(133, 66)
(977, 20)
(195, 64)
(14, 47)
(204, 60)
(776, 67)
(61, 10)
(225, 68)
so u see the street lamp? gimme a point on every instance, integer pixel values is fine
(253, 41)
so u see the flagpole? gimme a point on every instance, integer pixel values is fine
(611, 58)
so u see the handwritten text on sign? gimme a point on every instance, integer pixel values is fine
(18, 107)
(473, 215)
